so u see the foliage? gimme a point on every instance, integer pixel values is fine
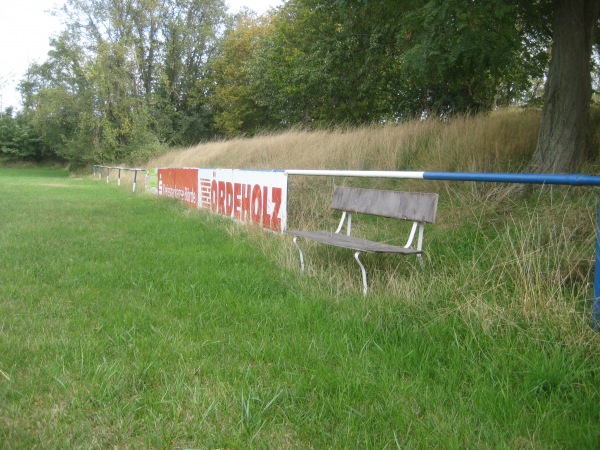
(121, 80)
(326, 63)
(127, 78)
(467, 56)
(18, 141)
(233, 100)
(352, 61)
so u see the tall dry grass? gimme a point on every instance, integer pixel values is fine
(503, 140)
(484, 142)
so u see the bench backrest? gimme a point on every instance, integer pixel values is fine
(420, 207)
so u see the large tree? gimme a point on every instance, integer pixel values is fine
(467, 55)
(562, 138)
(58, 100)
(235, 109)
(123, 78)
(325, 62)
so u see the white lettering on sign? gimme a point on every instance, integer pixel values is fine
(184, 194)
(179, 183)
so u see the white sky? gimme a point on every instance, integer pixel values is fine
(25, 30)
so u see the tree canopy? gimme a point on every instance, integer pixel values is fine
(127, 77)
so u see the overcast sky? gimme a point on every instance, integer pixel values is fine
(25, 30)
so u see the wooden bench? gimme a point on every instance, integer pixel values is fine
(420, 208)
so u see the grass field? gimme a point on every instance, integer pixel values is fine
(127, 321)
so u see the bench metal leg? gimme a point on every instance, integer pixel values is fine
(364, 274)
(299, 251)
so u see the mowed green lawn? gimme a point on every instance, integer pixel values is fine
(128, 321)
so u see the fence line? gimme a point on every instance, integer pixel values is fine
(99, 169)
(564, 179)
(511, 178)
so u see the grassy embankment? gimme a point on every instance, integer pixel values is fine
(129, 321)
(516, 254)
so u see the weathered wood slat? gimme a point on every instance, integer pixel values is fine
(353, 243)
(416, 206)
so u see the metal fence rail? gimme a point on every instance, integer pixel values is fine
(99, 169)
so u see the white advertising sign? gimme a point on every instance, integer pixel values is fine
(259, 196)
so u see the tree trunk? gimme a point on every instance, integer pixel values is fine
(306, 117)
(561, 140)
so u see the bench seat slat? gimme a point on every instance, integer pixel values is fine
(353, 243)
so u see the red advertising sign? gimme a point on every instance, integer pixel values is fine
(181, 184)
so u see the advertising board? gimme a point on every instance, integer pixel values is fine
(259, 196)
(181, 184)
